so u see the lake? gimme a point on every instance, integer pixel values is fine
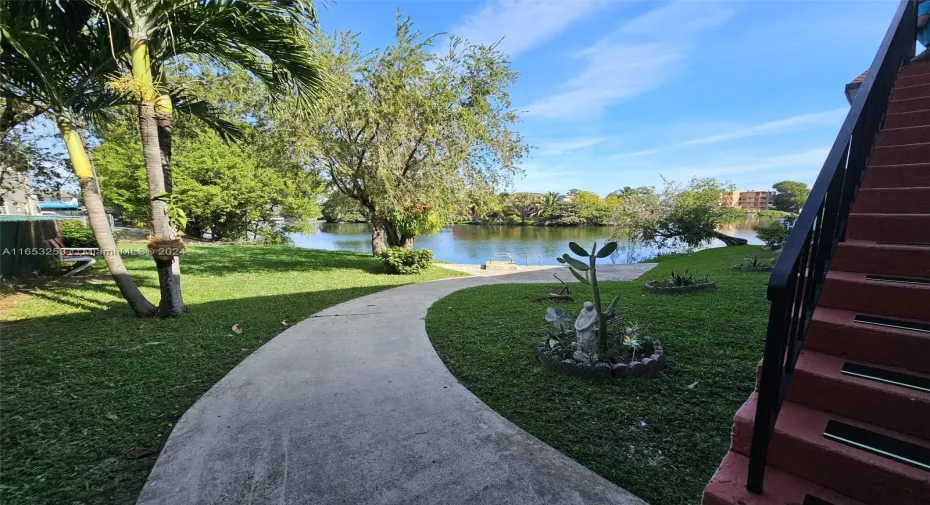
(466, 243)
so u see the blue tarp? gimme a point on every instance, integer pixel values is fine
(58, 205)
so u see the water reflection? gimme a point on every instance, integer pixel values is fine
(475, 243)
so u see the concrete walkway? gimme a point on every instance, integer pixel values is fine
(353, 406)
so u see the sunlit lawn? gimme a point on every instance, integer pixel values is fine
(662, 438)
(90, 392)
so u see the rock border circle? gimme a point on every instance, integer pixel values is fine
(653, 288)
(645, 368)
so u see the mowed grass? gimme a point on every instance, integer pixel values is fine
(658, 438)
(90, 392)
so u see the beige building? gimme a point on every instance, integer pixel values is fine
(18, 199)
(749, 200)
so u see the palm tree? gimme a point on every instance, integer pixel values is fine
(549, 205)
(52, 64)
(269, 38)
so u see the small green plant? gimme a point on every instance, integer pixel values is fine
(560, 333)
(756, 262)
(74, 233)
(400, 260)
(589, 277)
(176, 215)
(679, 280)
(773, 233)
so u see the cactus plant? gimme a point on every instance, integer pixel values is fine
(587, 274)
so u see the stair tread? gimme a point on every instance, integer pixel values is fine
(728, 485)
(860, 278)
(829, 366)
(845, 317)
(807, 425)
(882, 245)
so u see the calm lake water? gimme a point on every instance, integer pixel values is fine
(533, 245)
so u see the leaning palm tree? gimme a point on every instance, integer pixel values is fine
(269, 38)
(53, 65)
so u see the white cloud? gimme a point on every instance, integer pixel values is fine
(830, 117)
(680, 16)
(788, 125)
(736, 167)
(522, 24)
(640, 55)
(560, 147)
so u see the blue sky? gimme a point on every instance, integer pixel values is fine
(618, 93)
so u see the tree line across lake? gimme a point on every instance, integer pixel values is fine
(247, 119)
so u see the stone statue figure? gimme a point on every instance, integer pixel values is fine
(585, 329)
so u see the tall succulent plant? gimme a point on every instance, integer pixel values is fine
(586, 273)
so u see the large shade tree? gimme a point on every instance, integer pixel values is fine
(269, 38)
(686, 215)
(790, 196)
(410, 132)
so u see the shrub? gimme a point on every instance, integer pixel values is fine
(680, 280)
(773, 233)
(76, 234)
(400, 260)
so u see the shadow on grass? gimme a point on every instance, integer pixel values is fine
(89, 398)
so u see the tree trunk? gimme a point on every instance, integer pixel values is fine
(379, 236)
(728, 240)
(164, 117)
(97, 218)
(384, 235)
(169, 276)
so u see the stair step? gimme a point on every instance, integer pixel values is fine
(819, 382)
(897, 176)
(903, 136)
(728, 487)
(912, 80)
(837, 332)
(918, 68)
(904, 90)
(799, 447)
(881, 258)
(906, 119)
(900, 154)
(908, 105)
(914, 228)
(852, 291)
(893, 201)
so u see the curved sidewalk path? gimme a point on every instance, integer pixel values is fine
(353, 406)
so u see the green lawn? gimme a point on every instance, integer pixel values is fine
(659, 439)
(90, 392)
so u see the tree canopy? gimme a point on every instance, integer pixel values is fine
(410, 132)
(790, 196)
(680, 215)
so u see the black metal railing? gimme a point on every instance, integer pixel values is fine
(800, 270)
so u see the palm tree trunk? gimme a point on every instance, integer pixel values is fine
(164, 116)
(169, 279)
(97, 218)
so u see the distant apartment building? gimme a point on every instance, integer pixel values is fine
(749, 200)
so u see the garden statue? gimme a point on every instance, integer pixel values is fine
(586, 273)
(585, 330)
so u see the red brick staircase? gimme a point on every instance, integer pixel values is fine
(854, 427)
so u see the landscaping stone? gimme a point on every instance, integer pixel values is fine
(620, 370)
(581, 367)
